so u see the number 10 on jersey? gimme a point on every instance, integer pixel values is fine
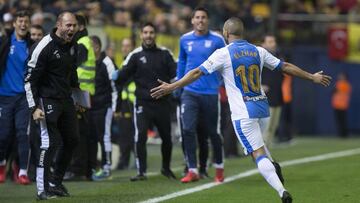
(249, 75)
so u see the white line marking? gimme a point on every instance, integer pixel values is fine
(252, 172)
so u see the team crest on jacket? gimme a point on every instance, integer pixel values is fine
(56, 53)
(190, 45)
(143, 59)
(208, 43)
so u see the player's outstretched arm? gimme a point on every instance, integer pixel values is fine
(318, 77)
(166, 88)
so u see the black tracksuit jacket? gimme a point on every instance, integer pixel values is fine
(145, 66)
(51, 70)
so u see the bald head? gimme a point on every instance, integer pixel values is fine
(65, 16)
(234, 26)
(66, 26)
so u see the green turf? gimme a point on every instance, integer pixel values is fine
(334, 180)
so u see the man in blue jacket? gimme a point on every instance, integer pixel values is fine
(199, 100)
(14, 112)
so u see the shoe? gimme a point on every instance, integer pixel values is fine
(190, 177)
(15, 171)
(278, 171)
(45, 196)
(286, 197)
(101, 175)
(139, 177)
(2, 173)
(168, 173)
(69, 175)
(203, 175)
(185, 171)
(58, 190)
(219, 175)
(23, 180)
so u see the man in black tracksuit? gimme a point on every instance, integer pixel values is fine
(147, 64)
(48, 85)
(104, 104)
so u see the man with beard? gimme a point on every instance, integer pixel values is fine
(145, 64)
(48, 84)
(240, 63)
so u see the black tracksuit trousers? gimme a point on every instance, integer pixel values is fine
(145, 114)
(58, 133)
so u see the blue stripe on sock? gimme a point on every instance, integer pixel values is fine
(243, 138)
(259, 158)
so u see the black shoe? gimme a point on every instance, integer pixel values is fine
(278, 171)
(203, 175)
(45, 196)
(168, 173)
(139, 177)
(286, 197)
(58, 190)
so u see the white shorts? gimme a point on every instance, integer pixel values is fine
(249, 132)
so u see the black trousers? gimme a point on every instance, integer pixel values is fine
(228, 132)
(84, 157)
(100, 129)
(145, 114)
(341, 123)
(125, 135)
(58, 133)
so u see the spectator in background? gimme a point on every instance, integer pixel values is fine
(271, 83)
(84, 160)
(103, 106)
(36, 32)
(14, 112)
(8, 21)
(37, 18)
(340, 103)
(285, 126)
(125, 118)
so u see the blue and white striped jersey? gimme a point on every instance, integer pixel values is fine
(240, 64)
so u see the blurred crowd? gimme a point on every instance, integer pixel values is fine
(171, 17)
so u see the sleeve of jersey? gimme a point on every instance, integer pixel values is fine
(36, 66)
(270, 61)
(213, 63)
(180, 71)
(110, 68)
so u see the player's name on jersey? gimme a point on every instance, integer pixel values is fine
(245, 53)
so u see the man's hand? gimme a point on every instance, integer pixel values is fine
(161, 90)
(266, 88)
(322, 79)
(80, 108)
(38, 115)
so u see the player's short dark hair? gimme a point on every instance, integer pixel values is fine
(38, 27)
(22, 13)
(148, 24)
(200, 8)
(96, 40)
(81, 19)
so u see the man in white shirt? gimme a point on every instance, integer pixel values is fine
(240, 64)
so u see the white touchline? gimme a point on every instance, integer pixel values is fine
(252, 172)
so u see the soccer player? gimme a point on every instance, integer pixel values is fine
(199, 100)
(14, 114)
(240, 63)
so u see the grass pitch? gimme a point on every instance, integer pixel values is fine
(332, 180)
